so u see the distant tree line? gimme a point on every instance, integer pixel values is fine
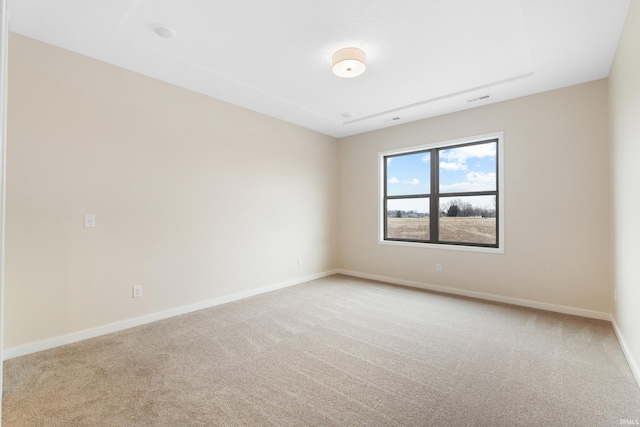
(453, 208)
(457, 207)
(406, 214)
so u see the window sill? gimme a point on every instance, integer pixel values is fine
(443, 246)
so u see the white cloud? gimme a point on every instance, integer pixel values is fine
(482, 178)
(393, 180)
(414, 181)
(460, 187)
(453, 166)
(455, 159)
(426, 158)
(476, 181)
(461, 154)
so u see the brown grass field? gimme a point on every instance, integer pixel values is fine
(456, 229)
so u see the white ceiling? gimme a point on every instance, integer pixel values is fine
(424, 57)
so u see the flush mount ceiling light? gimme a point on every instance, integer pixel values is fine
(349, 62)
(164, 31)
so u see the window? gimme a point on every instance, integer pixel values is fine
(446, 195)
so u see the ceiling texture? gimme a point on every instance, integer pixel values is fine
(424, 57)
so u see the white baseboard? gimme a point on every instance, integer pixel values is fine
(138, 321)
(635, 368)
(480, 295)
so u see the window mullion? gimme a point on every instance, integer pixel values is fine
(434, 208)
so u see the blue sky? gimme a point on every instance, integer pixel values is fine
(470, 168)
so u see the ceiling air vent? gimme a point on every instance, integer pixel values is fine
(480, 98)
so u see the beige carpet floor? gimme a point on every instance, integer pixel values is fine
(338, 351)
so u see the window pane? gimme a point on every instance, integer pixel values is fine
(468, 219)
(408, 174)
(469, 168)
(408, 219)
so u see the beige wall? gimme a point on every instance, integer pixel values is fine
(557, 203)
(624, 86)
(194, 198)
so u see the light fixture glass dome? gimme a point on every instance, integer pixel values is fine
(349, 62)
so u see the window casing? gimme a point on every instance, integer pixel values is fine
(445, 195)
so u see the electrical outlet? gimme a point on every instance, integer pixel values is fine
(89, 221)
(137, 291)
(438, 267)
(299, 262)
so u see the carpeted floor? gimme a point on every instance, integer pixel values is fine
(338, 351)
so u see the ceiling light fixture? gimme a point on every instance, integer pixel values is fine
(349, 62)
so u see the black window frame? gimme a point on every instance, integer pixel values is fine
(435, 195)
